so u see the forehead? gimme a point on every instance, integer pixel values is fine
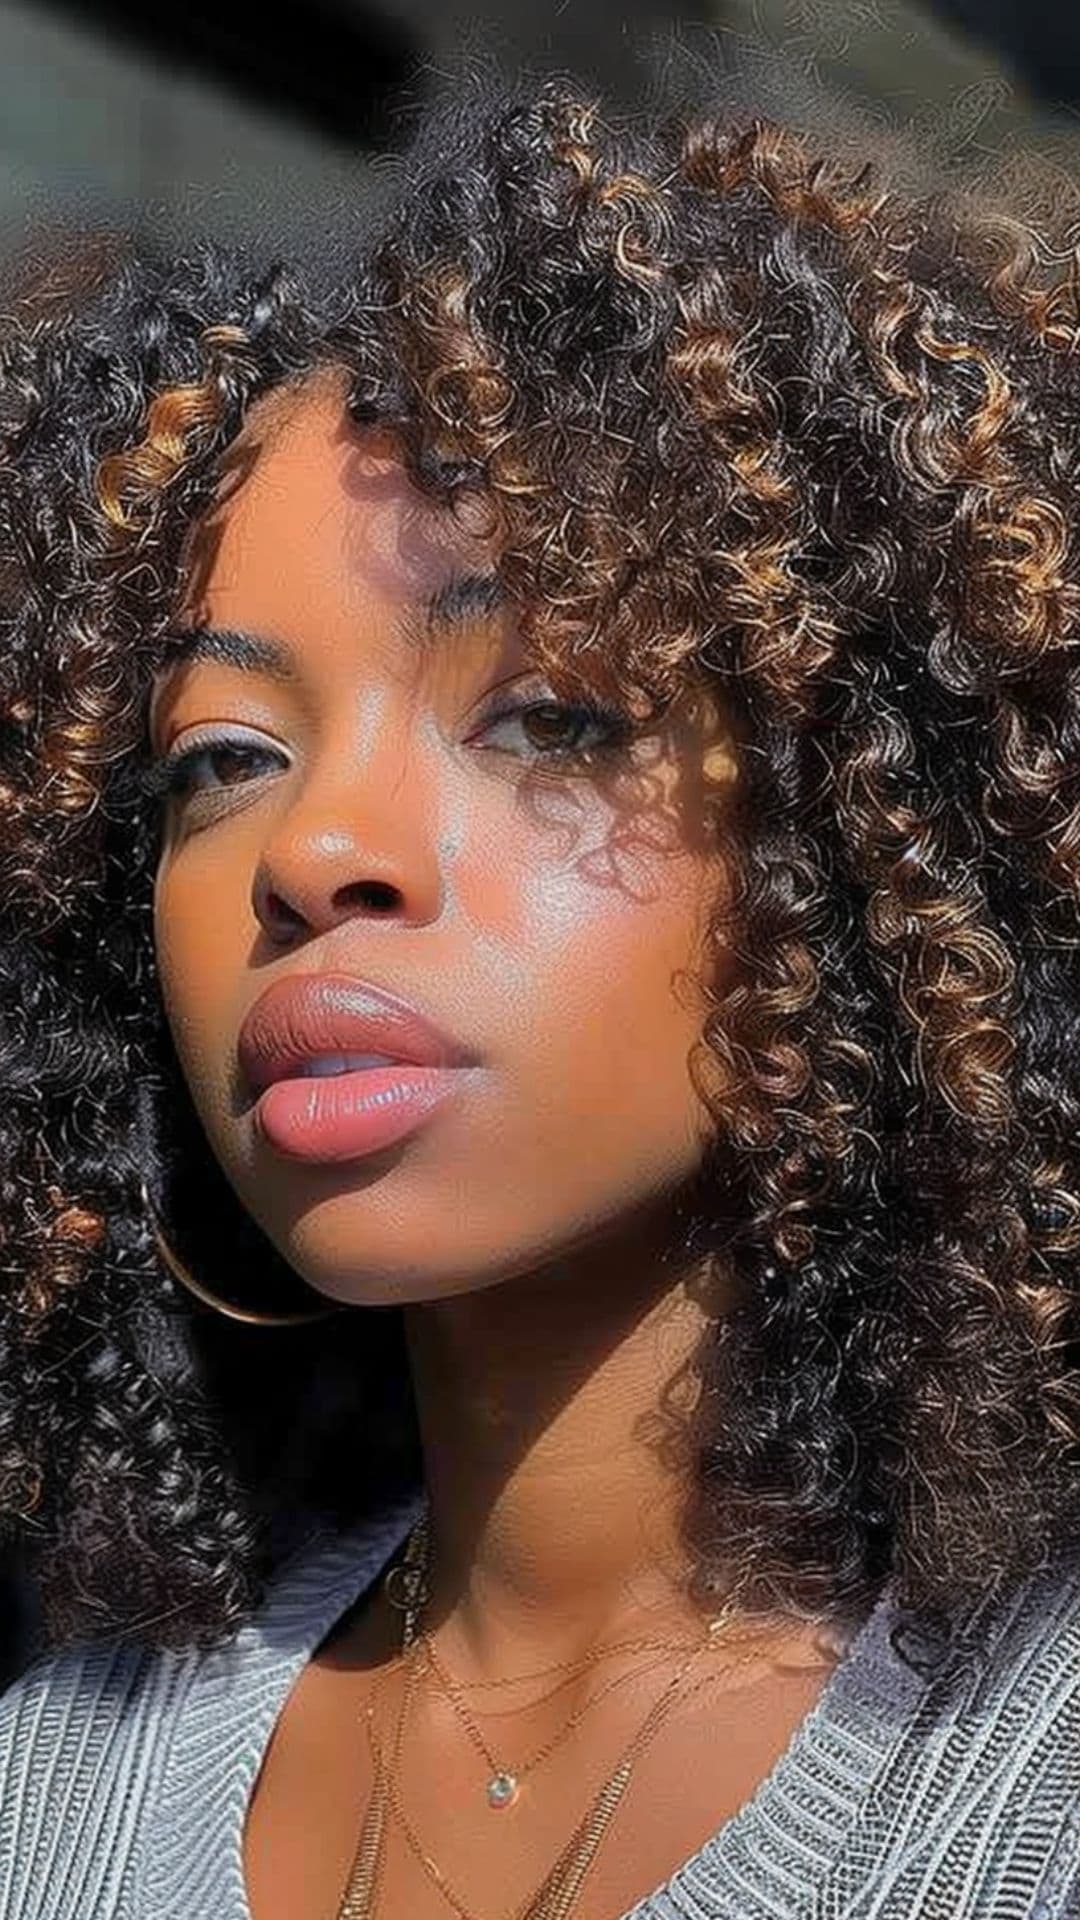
(305, 491)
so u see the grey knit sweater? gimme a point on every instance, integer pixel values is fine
(906, 1794)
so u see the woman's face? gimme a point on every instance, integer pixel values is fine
(524, 906)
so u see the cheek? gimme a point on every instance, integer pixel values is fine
(584, 958)
(577, 967)
(603, 951)
(202, 947)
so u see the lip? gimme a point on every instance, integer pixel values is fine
(316, 1013)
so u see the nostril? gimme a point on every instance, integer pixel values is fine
(379, 896)
(374, 893)
(280, 911)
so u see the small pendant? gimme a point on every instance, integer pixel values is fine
(502, 1790)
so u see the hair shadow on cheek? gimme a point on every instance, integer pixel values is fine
(659, 806)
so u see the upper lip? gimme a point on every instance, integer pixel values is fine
(317, 1013)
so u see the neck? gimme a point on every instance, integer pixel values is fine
(556, 1479)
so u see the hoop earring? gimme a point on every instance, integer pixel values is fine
(225, 1307)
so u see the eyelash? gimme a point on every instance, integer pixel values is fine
(164, 777)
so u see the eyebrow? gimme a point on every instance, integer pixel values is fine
(464, 597)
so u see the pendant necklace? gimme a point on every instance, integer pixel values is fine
(406, 1586)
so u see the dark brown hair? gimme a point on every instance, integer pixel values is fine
(748, 422)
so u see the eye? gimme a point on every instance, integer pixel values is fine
(232, 760)
(177, 774)
(558, 725)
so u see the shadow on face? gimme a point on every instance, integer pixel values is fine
(377, 782)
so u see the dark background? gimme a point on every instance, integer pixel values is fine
(234, 118)
(230, 117)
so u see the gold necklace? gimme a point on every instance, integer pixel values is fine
(409, 1572)
(562, 1882)
(358, 1900)
(504, 1782)
(554, 1898)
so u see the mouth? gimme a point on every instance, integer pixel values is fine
(326, 1066)
(322, 1025)
(343, 1116)
(340, 1067)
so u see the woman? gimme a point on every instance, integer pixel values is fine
(541, 1024)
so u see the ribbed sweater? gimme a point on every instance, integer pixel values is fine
(907, 1792)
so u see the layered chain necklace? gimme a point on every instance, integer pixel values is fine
(406, 1586)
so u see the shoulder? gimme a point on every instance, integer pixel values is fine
(1025, 1648)
(1008, 1687)
(976, 1809)
(121, 1765)
(1023, 1701)
(80, 1743)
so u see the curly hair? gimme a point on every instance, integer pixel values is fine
(746, 421)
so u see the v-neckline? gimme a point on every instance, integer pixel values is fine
(237, 1693)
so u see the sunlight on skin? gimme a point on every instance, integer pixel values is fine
(529, 924)
(540, 921)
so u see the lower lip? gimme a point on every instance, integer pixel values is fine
(342, 1116)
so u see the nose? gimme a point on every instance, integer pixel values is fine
(354, 843)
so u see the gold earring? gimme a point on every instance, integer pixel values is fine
(186, 1279)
